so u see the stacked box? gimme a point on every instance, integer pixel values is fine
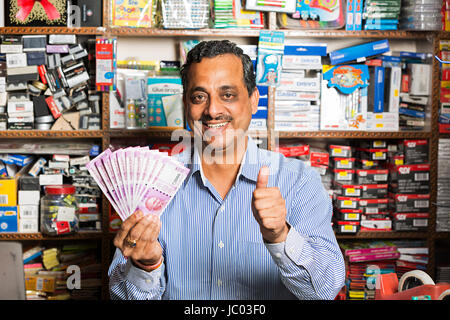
(44, 84)
(444, 111)
(297, 98)
(443, 187)
(381, 14)
(409, 185)
(421, 15)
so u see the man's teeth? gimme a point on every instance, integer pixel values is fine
(218, 125)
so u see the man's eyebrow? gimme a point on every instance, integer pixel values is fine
(197, 89)
(228, 87)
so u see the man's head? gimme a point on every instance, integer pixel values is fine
(219, 94)
(214, 48)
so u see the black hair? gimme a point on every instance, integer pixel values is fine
(214, 48)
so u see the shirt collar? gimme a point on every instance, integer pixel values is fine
(249, 165)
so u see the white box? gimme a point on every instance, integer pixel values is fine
(29, 197)
(20, 107)
(302, 62)
(16, 60)
(258, 124)
(28, 211)
(420, 79)
(11, 48)
(116, 113)
(385, 121)
(28, 225)
(300, 84)
(394, 89)
(49, 179)
(296, 95)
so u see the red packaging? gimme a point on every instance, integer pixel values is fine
(53, 107)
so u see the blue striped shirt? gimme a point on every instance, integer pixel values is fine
(213, 247)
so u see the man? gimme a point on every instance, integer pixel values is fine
(246, 223)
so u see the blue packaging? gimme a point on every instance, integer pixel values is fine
(411, 113)
(9, 219)
(261, 113)
(263, 96)
(378, 99)
(359, 51)
(161, 111)
(316, 49)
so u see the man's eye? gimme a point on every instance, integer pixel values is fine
(198, 98)
(228, 96)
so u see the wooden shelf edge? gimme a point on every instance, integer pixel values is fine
(143, 32)
(53, 30)
(353, 134)
(39, 236)
(51, 134)
(384, 235)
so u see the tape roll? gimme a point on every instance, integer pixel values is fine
(44, 119)
(43, 126)
(445, 295)
(39, 85)
(414, 279)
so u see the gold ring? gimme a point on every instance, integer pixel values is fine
(131, 243)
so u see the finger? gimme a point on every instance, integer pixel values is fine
(136, 232)
(263, 177)
(151, 233)
(125, 228)
(269, 193)
(263, 204)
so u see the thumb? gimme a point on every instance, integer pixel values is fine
(263, 177)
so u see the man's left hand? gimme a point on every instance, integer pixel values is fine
(269, 209)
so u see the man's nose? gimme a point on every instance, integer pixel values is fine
(215, 108)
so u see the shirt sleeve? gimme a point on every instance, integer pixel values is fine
(310, 261)
(127, 282)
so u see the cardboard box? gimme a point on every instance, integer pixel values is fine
(40, 283)
(347, 227)
(409, 203)
(28, 211)
(375, 176)
(410, 221)
(29, 197)
(371, 206)
(410, 179)
(8, 192)
(9, 219)
(29, 225)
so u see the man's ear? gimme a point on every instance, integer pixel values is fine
(254, 99)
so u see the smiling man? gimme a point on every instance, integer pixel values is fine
(246, 223)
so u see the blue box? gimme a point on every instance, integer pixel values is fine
(358, 52)
(161, 112)
(316, 49)
(261, 113)
(412, 113)
(9, 219)
(378, 99)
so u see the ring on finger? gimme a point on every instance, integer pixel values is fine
(131, 243)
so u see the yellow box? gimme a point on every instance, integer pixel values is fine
(40, 283)
(8, 192)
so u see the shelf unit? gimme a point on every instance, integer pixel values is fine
(106, 134)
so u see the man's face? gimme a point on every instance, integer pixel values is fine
(217, 103)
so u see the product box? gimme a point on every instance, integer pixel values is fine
(28, 211)
(29, 225)
(305, 62)
(376, 225)
(114, 221)
(342, 202)
(305, 49)
(282, 95)
(343, 175)
(9, 219)
(375, 176)
(374, 205)
(343, 163)
(8, 192)
(347, 214)
(420, 77)
(374, 191)
(340, 151)
(359, 53)
(29, 197)
(410, 203)
(367, 164)
(347, 227)
(371, 154)
(319, 157)
(410, 221)
(40, 283)
(384, 121)
(415, 151)
(347, 190)
(165, 102)
(412, 179)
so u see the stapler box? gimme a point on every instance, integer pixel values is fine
(359, 52)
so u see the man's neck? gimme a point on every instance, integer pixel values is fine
(222, 172)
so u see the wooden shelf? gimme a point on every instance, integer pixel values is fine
(354, 134)
(393, 34)
(145, 32)
(51, 134)
(52, 30)
(40, 236)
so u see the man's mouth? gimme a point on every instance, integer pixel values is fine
(216, 125)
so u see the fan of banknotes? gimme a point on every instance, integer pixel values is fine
(137, 178)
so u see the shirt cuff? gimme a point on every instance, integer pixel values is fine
(289, 251)
(144, 280)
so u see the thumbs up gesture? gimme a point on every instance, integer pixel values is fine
(269, 209)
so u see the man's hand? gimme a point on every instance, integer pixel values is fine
(269, 209)
(144, 232)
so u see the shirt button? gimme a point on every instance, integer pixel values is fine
(219, 282)
(221, 244)
(278, 255)
(149, 281)
(222, 208)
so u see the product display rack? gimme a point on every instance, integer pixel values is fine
(106, 134)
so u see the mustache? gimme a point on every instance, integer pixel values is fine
(207, 118)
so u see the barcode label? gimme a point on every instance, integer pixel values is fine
(371, 210)
(3, 199)
(26, 212)
(421, 204)
(421, 176)
(39, 284)
(420, 222)
(380, 177)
